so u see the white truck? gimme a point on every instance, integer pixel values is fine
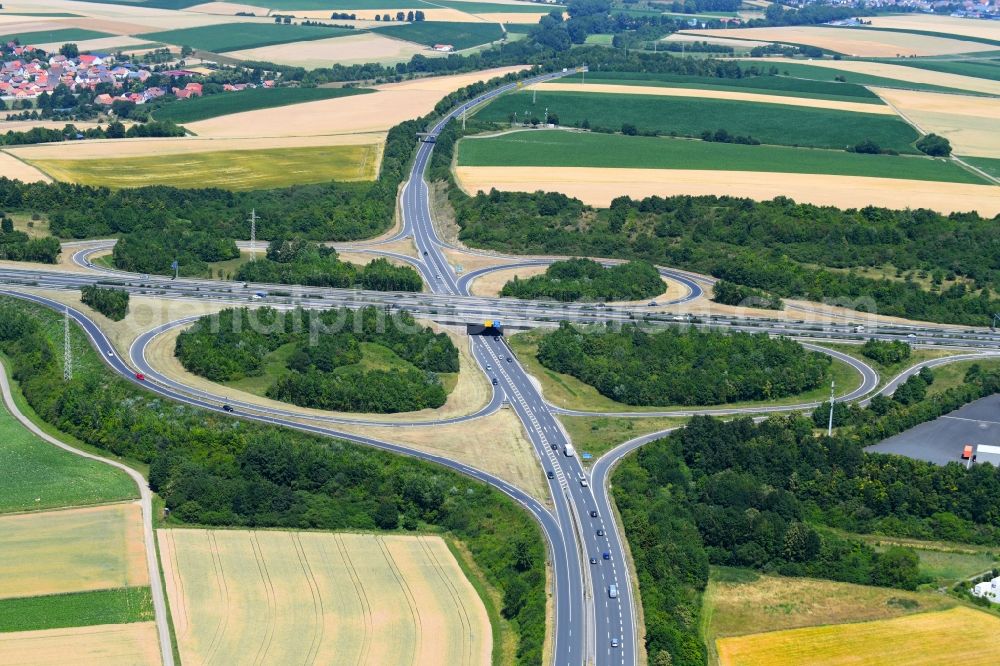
(569, 451)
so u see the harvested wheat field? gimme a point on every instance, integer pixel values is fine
(969, 123)
(240, 596)
(859, 42)
(938, 23)
(13, 168)
(73, 550)
(901, 73)
(956, 636)
(722, 41)
(597, 187)
(100, 149)
(361, 48)
(103, 44)
(133, 644)
(599, 88)
(391, 105)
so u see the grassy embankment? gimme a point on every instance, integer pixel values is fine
(582, 149)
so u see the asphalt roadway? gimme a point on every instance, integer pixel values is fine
(582, 524)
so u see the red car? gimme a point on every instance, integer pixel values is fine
(141, 377)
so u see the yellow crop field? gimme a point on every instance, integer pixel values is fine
(957, 636)
(51, 552)
(861, 42)
(133, 644)
(969, 123)
(240, 596)
(14, 168)
(231, 170)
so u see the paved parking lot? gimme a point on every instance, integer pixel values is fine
(940, 441)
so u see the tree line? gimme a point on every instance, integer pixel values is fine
(787, 249)
(19, 246)
(776, 497)
(112, 303)
(243, 474)
(325, 365)
(587, 280)
(677, 366)
(114, 130)
(295, 260)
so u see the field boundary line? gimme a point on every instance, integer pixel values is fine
(220, 576)
(407, 594)
(449, 585)
(317, 639)
(145, 501)
(359, 588)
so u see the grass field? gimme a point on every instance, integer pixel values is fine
(956, 636)
(304, 597)
(584, 149)
(946, 565)
(55, 35)
(765, 85)
(953, 374)
(235, 36)
(38, 475)
(888, 372)
(346, 5)
(599, 434)
(827, 73)
(983, 69)
(78, 609)
(72, 550)
(570, 393)
(769, 123)
(459, 35)
(202, 108)
(990, 166)
(231, 170)
(133, 644)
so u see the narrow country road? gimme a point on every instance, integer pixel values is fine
(145, 500)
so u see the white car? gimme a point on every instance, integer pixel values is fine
(111, 354)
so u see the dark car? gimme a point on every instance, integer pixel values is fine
(593, 513)
(606, 556)
(227, 408)
(425, 253)
(593, 560)
(494, 381)
(555, 447)
(600, 532)
(551, 474)
(510, 360)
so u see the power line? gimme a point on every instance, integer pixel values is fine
(829, 427)
(67, 349)
(253, 234)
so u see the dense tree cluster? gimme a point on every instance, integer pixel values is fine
(114, 130)
(212, 470)
(934, 145)
(682, 366)
(886, 352)
(730, 293)
(295, 260)
(587, 280)
(155, 250)
(790, 250)
(326, 369)
(19, 246)
(112, 303)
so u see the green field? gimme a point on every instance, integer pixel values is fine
(238, 36)
(778, 124)
(818, 73)
(229, 170)
(79, 609)
(201, 108)
(38, 475)
(348, 5)
(980, 69)
(53, 36)
(495, 8)
(764, 85)
(584, 149)
(459, 35)
(990, 166)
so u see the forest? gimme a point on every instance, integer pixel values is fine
(327, 366)
(677, 366)
(295, 260)
(787, 249)
(19, 246)
(730, 293)
(587, 280)
(155, 250)
(215, 470)
(775, 497)
(886, 352)
(112, 303)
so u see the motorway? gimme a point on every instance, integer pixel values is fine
(581, 525)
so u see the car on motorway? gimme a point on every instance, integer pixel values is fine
(614, 642)
(489, 367)
(550, 474)
(583, 483)
(606, 555)
(613, 591)
(425, 253)
(494, 381)
(111, 354)
(227, 408)
(141, 377)
(600, 532)
(652, 304)
(593, 513)
(554, 447)
(593, 560)
(510, 360)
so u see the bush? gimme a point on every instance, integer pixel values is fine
(886, 352)
(587, 280)
(934, 145)
(112, 303)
